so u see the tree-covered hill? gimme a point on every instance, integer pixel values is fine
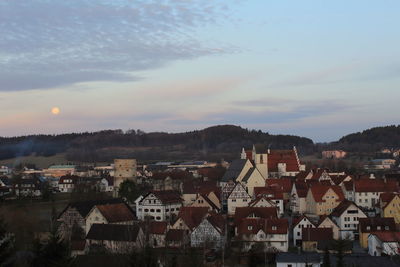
(213, 143)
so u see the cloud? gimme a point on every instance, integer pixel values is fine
(48, 44)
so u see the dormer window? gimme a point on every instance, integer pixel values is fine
(274, 228)
(386, 227)
(378, 228)
(249, 227)
(368, 228)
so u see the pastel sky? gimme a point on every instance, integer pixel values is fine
(319, 69)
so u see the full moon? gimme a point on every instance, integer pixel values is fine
(55, 110)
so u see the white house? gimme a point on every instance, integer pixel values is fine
(367, 191)
(298, 195)
(298, 225)
(346, 216)
(238, 198)
(384, 243)
(159, 205)
(211, 232)
(272, 233)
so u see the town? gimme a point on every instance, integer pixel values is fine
(264, 208)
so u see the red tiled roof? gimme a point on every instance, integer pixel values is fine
(317, 234)
(283, 156)
(260, 212)
(218, 221)
(284, 184)
(301, 176)
(157, 228)
(268, 226)
(374, 185)
(387, 236)
(373, 223)
(192, 216)
(318, 191)
(270, 192)
(348, 185)
(116, 212)
(302, 189)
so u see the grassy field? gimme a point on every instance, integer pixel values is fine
(40, 162)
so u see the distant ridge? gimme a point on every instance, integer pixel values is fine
(216, 142)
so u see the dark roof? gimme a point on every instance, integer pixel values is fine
(342, 207)
(84, 207)
(157, 228)
(303, 257)
(114, 232)
(235, 168)
(317, 234)
(218, 221)
(364, 260)
(168, 196)
(102, 260)
(289, 157)
(175, 235)
(119, 212)
(248, 174)
(373, 223)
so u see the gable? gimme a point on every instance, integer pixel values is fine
(239, 192)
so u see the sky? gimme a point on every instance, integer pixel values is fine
(319, 69)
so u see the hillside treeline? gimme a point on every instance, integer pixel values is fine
(212, 143)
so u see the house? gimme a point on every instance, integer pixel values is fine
(272, 194)
(225, 192)
(304, 259)
(29, 187)
(159, 205)
(106, 184)
(380, 164)
(237, 198)
(389, 206)
(118, 213)
(384, 243)
(254, 212)
(210, 233)
(298, 224)
(321, 175)
(155, 233)
(346, 215)
(334, 154)
(367, 191)
(284, 185)
(67, 183)
(203, 200)
(369, 225)
(74, 215)
(273, 233)
(192, 188)
(169, 180)
(5, 186)
(177, 238)
(115, 238)
(189, 218)
(327, 222)
(348, 190)
(284, 163)
(311, 237)
(322, 199)
(298, 195)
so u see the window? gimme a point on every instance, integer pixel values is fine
(158, 210)
(245, 200)
(158, 218)
(152, 210)
(177, 209)
(352, 211)
(166, 210)
(249, 227)
(386, 227)
(146, 210)
(378, 228)
(233, 200)
(274, 228)
(298, 233)
(172, 209)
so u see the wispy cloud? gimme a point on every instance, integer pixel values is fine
(47, 44)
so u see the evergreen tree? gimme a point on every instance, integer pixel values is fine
(6, 244)
(129, 191)
(53, 253)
